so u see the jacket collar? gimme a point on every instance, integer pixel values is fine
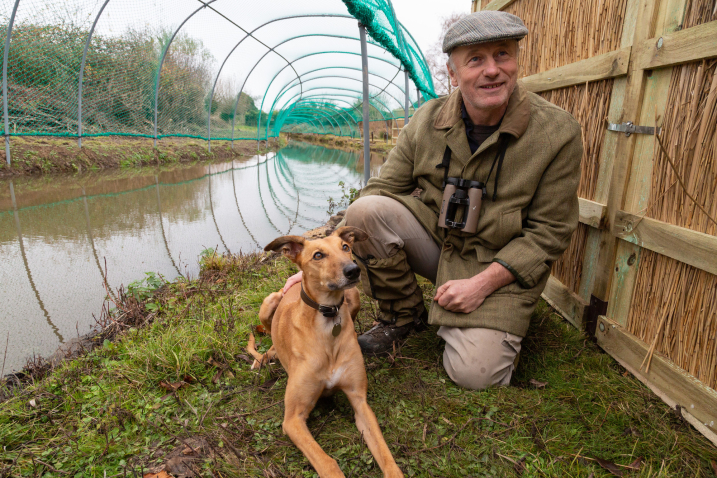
(515, 121)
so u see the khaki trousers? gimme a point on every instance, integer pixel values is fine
(474, 358)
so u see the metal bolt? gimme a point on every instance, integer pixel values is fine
(659, 43)
(631, 260)
(602, 327)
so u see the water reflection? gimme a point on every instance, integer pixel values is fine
(59, 235)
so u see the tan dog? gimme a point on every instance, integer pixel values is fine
(320, 353)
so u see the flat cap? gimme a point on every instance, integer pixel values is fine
(482, 27)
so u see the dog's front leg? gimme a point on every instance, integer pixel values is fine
(302, 392)
(368, 426)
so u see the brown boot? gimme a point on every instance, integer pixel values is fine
(379, 340)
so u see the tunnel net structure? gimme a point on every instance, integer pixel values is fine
(210, 69)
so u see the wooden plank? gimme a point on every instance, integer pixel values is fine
(632, 173)
(691, 44)
(608, 65)
(685, 245)
(600, 247)
(566, 302)
(592, 213)
(498, 4)
(698, 402)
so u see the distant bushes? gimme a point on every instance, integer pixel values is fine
(119, 81)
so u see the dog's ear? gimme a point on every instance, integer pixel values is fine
(290, 246)
(351, 234)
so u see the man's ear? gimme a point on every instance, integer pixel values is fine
(290, 246)
(351, 234)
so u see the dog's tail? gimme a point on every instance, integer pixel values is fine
(267, 309)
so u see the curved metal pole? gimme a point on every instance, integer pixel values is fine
(304, 113)
(161, 224)
(4, 83)
(364, 72)
(211, 207)
(423, 58)
(27, 267)
(161, 62)
(92, 245)
(334, 97)
(82, 75)
(270, 49)
(311, 89)
(327, 118)
(258, 126)
(332, 94)
(351, 107)
(339, 112)
(283, 91)
(389, 82)
(325, 87)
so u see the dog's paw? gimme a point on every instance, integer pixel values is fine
(256, 365)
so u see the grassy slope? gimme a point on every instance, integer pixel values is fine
(45, 154)
(107, 411)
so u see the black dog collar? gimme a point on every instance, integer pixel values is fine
(329, 311)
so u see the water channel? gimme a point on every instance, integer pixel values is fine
(57, 234)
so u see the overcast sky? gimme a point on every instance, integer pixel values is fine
(422, 17)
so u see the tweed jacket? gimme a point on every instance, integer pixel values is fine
(530, 223)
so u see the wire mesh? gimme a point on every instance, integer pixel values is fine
(209, 69)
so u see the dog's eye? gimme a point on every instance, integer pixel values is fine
(318, 255)
(346, 248)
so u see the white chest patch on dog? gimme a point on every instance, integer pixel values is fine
(335, 377)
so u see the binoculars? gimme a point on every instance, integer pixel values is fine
(464, 196)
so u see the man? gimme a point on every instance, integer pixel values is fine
(527, 153)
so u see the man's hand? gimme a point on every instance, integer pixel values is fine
(293, 280)
(466, 295)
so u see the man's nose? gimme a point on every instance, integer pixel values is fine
(491, 68)
(352, 271)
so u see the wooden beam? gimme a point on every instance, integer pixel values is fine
(691, 44)
(498, 4)
(698, 402)
(608, 65)
(592, 213)
(568, 303)
(685, 245)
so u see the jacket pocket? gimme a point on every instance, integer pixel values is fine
(511, 223)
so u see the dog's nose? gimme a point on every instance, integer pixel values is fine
(352, 271)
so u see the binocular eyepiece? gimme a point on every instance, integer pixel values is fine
(461, 195)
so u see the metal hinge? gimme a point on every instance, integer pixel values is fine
(629, 128)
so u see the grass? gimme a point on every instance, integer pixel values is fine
(173, 384)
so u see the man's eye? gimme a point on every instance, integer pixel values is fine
(346, 248)
(318, 255)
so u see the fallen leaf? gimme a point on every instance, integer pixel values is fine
(243, 357)
(537, 383)
(609, 466)
(32, 403)
(260, 330)
(635, 465)
(172, 387)
(189, 379)
(268, 384)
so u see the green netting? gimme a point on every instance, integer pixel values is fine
(212, 69)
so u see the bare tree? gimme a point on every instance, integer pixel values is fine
(436, 59)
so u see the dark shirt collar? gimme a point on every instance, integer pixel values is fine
(476, 133)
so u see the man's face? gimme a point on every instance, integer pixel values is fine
(485, 73)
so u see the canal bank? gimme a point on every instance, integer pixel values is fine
(40, 155)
